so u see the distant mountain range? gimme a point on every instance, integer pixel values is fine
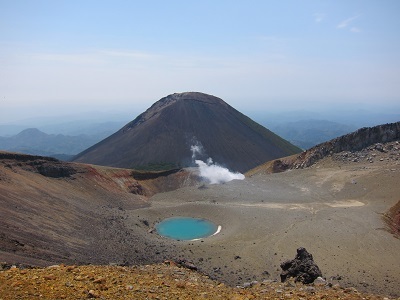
(163, 135)
(304, 134)
(308, 133)
(100, 128)
(33, 141)
(65, 137)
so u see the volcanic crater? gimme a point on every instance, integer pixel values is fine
(334, 205)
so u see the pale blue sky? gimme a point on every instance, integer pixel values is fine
(70, 56)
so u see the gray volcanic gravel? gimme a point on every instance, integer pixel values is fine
(332, 209)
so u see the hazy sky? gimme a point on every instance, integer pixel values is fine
(71, 56)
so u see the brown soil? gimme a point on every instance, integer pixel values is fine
(163, 281)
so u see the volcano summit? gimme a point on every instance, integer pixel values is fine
(162, 136)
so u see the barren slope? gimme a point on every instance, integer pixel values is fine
(162, 136)
(54, 212)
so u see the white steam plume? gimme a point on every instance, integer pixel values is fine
(213, 172)
(196, 149)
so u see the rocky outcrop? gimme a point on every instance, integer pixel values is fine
(302, 268)
(160, 182)
(55, 170)
(354, 141)
(143, 175)
(46, 166)
(355, 146)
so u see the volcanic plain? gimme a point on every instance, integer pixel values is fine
(335, 209)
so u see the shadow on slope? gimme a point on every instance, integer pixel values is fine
(57, 212)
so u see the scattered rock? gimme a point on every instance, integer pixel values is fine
(350, 290)
(379, 147)
(99, 280)
(93, 294)
(290, 283)
(247, 285)
(49, 277)
(310, 289)
(266, 273)
(337, 277)
(145, 222)
(53, 267)
(4, 266)
(186, 264)
(320, 281)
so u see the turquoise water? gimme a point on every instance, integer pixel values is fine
(183, 228)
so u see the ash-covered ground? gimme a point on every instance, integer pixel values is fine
(334, 209)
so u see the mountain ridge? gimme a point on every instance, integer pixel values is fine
(311, 132)
(354, 141)
(36, 142)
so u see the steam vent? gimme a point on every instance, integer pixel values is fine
(161, 137)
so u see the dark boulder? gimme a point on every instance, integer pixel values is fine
(302, 268)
